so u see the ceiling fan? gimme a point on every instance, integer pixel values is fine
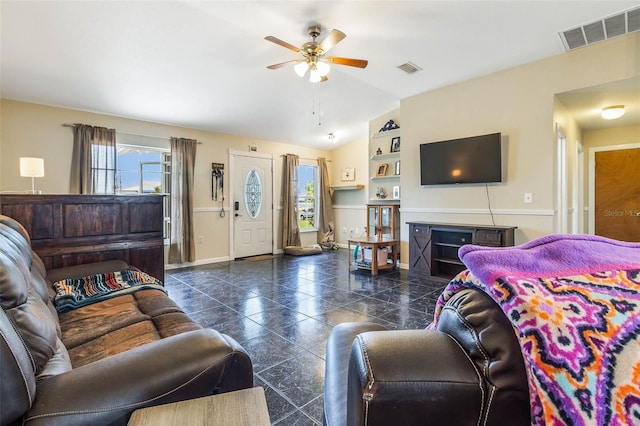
(313, 55)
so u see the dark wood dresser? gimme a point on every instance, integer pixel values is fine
(68, 230)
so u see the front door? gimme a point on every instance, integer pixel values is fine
(252, 204)
(617, 194)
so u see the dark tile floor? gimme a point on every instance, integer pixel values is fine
(282, 310)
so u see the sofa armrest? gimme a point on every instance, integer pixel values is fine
(337, 369)
(410, 377)
(185, 366)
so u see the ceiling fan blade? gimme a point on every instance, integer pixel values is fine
(282, 43)
(359, 63)
(333, 38)
(284, 64)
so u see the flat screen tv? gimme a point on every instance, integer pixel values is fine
(476, 159)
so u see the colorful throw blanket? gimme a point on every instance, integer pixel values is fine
(574, 303)
(75, 293)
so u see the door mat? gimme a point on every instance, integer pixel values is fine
(257, 258)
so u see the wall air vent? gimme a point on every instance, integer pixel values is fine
(410, 68)
(603, 29)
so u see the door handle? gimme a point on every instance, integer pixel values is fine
(237, 215)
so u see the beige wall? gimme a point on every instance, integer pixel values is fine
(36, 130)
(349, 211)
(519, 103)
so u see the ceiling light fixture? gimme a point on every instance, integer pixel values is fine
(612, 112)
(301, 68)
(332, 138)
(318, 69)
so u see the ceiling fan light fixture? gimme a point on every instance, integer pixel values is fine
(314, 76)
(612, 112)
(323, 68)
(301, 68)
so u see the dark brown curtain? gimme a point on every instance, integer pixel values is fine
(325, 218)
(93, 161)
(290, 230)
(183, 159)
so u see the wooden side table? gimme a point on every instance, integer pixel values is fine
(246, 407)
(374, 243)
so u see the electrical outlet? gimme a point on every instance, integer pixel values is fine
(200, 239)
(528, 197)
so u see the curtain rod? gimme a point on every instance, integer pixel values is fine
(305, 158)
(131, 134)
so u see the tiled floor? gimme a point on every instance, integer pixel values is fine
(281, 310)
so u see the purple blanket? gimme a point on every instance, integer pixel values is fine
(574, 303)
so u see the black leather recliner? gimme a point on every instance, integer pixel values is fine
(468, 371)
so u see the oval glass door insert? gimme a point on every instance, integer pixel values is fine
(253, 193)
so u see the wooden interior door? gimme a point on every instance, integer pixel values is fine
(617, 194)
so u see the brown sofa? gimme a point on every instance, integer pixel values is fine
(98, 363)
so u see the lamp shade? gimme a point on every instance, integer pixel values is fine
(31, 167)
(301, 68)
(323, 68)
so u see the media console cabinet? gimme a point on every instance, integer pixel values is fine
(433, 247)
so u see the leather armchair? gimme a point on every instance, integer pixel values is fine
(468, 371)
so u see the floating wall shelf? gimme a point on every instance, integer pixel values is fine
(347, 187)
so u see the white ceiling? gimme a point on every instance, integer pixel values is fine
(203, 64)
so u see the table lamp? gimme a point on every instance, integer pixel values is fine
(33, 168)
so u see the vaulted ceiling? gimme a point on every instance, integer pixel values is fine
(203, 64)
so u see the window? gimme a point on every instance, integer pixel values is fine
(102, 169)
(307, 205)
(145, 170)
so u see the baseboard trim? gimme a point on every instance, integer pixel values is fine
(170, 266)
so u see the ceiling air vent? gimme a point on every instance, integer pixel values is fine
(410, 68)
(603, 29)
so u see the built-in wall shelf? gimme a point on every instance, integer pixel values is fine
(384, 165)
(348, 187)
(383, 157)
(379, 178)
(388, 133)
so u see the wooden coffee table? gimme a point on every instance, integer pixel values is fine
(247, 407)
(374, 243)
